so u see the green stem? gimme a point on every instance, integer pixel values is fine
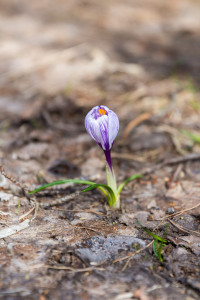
(111, 181)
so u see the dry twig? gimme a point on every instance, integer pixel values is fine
(73, 270)
(179, 227)
(12, 179)
(129, 257)
(24, 191)
(178, 213)
(88, 228)
(24, 216)
(14, 229)
(134, 123)
(172, 161)
(61, 200)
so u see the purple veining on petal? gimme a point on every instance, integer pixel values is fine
(102, 124)
(95, 114)
(95, 111)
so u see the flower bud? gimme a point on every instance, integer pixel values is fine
(102, 124)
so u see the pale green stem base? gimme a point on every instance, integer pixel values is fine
(117, 203)
(111, 181)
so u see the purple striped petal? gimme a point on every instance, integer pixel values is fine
(102, 124)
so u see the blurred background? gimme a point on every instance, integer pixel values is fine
(59, 59)
(48, 46)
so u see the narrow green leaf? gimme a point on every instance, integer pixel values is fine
(159, 252)
(120, 187)
(18, 206)
(162, 244)
(157, 244)
(108, 192)
(63, 181)
(194, 137)
(156, 237)
(111, 199)
(155, 248)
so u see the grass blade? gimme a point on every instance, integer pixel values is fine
(160, 245)
(120, 187)
(158, 242)
(157, 248)
(156, 237)
(194, 137)
(58, 182)
(111, 196)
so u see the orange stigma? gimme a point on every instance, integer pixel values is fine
(102, 111)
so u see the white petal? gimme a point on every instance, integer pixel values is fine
(102, 129)
(113, 127)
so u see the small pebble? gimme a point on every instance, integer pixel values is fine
(170, 210)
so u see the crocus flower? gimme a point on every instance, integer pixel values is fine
(102, 124)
